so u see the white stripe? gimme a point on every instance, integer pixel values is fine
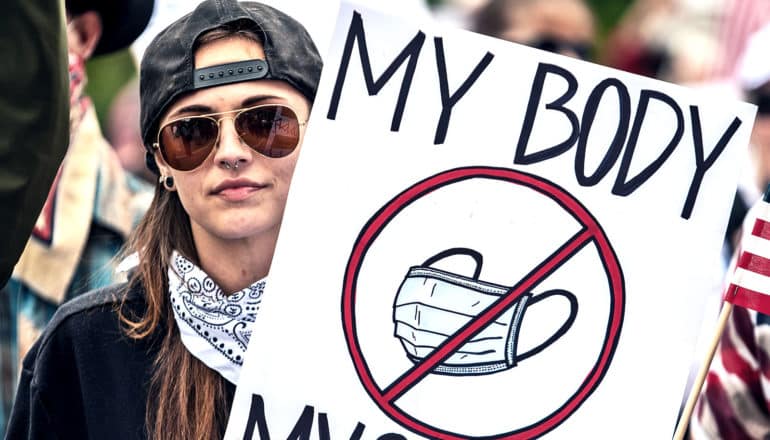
(763, 211)
(756, 245)
(752, 281)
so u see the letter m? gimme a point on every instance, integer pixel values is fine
(410, 52)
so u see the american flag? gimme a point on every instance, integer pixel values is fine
(750, 284)
(737, 20)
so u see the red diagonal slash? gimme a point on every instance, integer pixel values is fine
(592, 232)
(454, 342)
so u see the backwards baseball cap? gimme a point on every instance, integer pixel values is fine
(122, 20)
(168, 67)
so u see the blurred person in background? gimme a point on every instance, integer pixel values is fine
(33, 134)
(673, 40)
(633, 45)
(92, 205)
(122, 131)
(561, 26)
(685, 41)
(34, 108)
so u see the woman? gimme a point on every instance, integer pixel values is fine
(225, 94)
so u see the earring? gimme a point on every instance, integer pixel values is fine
(168, 182)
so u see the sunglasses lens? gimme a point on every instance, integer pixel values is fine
(270, 130)
(556, 45)
(186, 143)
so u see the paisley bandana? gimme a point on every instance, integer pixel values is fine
(78, 101)
(215, 327)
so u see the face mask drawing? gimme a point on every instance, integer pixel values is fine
(433, 304)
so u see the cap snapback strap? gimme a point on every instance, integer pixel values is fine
(230, 73)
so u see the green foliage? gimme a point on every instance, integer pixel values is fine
(608, 13)
(106, 76)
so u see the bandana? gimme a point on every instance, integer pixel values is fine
(78, 101)
(215, 327)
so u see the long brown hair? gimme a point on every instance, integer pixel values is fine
(186, 399)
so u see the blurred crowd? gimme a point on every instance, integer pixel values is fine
(718, 45)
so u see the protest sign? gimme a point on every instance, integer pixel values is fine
(485, 240)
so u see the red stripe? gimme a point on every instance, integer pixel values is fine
(739, 20)
(723, 412)
(744, 328)
(764, 364)
(736, 35)
(719, 69)
(736, 364)
(748, 298)
(761, 229)
(754, 263)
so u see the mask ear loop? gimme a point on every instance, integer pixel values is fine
(458, 251)
(573, 304)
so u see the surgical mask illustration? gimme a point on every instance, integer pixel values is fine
(433, 304)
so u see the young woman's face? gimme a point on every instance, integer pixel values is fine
(225, 202)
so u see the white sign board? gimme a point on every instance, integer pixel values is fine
(485, 240)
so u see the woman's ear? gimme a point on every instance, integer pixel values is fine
(165, 178)
(84, 32)
(165, 170)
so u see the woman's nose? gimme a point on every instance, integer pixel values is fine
(231, 150)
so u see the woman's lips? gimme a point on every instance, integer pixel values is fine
(236, 190)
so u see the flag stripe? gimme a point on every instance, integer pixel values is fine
(744, 329)
(750, 280)
(761, 229)
(751, 299)
(763, 211)
(756, 245)
(726, 418)
(750, 284)
(754, 263)
(738, 20)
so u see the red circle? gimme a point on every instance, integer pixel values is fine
(378, 222)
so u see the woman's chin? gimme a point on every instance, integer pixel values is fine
(243, 231)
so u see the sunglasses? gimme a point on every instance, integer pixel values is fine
(558, 45)
(271, 130)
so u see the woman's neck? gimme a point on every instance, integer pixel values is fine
(235, 264)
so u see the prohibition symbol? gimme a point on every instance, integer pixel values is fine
(590, 232)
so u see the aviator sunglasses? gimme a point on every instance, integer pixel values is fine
(271, 130)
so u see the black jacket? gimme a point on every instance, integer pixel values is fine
(84, 378)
